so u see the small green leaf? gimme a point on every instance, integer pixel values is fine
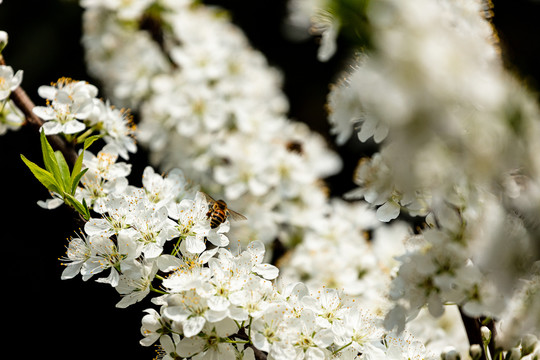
(77, 168)
(47, 151)
(78, 163)
(84, 135)
(76, 172)
(75, 181)
(49, 159)
(87, 216)
(89, 141)
(43, 176)
(64, 170)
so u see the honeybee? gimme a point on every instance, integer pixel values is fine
(218, 212)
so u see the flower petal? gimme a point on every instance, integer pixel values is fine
(189, 346)
(46, 113)
(52, 128)
(267, 271)
(193, 325)
(73, 126)
(47, 92)
(195, 245)
(50, 204)
(388, 211)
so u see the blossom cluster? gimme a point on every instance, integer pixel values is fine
(212, 302)
(210, 104)
(73, 107)
(215, 110)
(74, 111)
(458, 141)
(11, 117)
(291, 324)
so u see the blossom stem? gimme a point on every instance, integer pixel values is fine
(230, 341)
(157, 291)
(487, 353)
(176, 248)
(240, 326)
(249, 327)
(84, 135)
(341, 348)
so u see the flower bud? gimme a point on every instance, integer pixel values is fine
(450, 353)
(528, 343)
(475, 351)
(486, 334)
(3, 40)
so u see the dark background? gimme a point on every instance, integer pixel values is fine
(73, 319)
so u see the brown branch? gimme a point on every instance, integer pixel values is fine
(25, 104)
(474, 334)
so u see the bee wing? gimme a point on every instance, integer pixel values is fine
(208, 198)
(236, 216)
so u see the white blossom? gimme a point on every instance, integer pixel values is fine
(77, 253)
(11, 118)
(134, 283)
(70, 102)
(108, 255)
(153, 326)
(9, 81)
(208, 345)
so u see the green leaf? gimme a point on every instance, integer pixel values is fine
(43, 176)
(74, 203)
(47, 151)
(76, 171)
(89, 141)
(87, 216)
(64, 170)
(75, 180)
(78, 163)
(49, 159)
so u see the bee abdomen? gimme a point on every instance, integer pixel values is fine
(216, 219)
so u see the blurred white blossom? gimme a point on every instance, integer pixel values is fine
(9, 81)
(11, 118)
